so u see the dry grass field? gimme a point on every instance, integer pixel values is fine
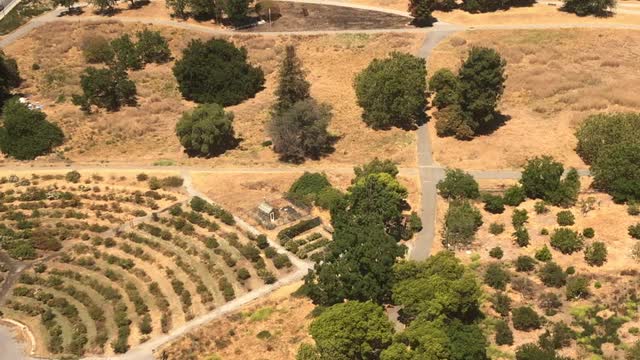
(280, 319)
(146, 132)
(617, 277)
(555, 79)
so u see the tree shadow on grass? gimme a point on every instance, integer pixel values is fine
(230, 144)
(490, 128)
(74, 11)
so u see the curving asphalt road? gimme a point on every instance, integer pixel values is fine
(429, 172)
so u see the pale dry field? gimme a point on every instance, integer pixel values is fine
(555, 79)
(610, 222)
(145, 133)
(234, 337)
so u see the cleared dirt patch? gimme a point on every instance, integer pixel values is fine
(556, 78)
(147, 132)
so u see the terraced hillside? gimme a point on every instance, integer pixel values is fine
(108, 264)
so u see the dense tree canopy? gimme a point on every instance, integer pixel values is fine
(392, 91)
(292, 85)
(9, 75)
(307, 187)
(25, 133)
(601, 130)
(617, 171)
(542, 179)
(217, 72)
(461, 222)
(105, 88)
(589, 7)
(458, 184)
(421, 11)
(300, 131)
(351, 330)
(447, 88)
(152, 47)
(207, 130)
(375, 166)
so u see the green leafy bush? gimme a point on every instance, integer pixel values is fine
(493, 203)
(615, 171)
(514, 195)
(26, 134)
(565, 218)
(540, 207)
(207, 130)
(392, 91)
(496, 276)
(525, 263)
(588, 233)
(567, 240)
(521, 236)
(501, 304)
(216, 72)
(105, 88)
(126, 54)
(496, 228)
(577, 287)
(97, 49)
(634, 231)
(542, 179)
(595, 254)
(447, 88)
(458, 184)
(504, 335)
(551, 274)
(496, 252)
(72, 176)
(589, 7)
(152, 47)
(550, 303)
(525, 319)
(462, 220)
(519, 218)
(543, 254)
(307, 187)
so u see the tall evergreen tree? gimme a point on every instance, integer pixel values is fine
(292, 85)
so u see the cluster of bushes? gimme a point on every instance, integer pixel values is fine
(126, 54)
(235, 10)
(206, 130)
(314, 188)
(200, 205)
(589, 7)
(542, 178)
(467, 102)
(422, 10)
(461, 222)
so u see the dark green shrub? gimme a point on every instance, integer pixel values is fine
(601, 130)
(97, 49)
(525, 263)
(541, 176)
(447, 88)
(496, 228)
(565, 218)
(105, 88)
(633, 208)
(458, 184)
(514, 195)
(415, 223)
(126, 54)
(307, 187)
(243, 274)
(392, 91)
(550, 303)
(504, 335)
(540, 207)
(152, 47)
(9, 75)
(634, 231)
(589, 7)
(207, 130)
(72, 176)
(577, 287)
(543, 254)
(519, 218)
(281, 260)
(501, 304)
(462, 220)
(216, 72)
(558, 337)
(588, 233)
(595, 253)
(566, 240)
(570, 270)
(496, 277)
(493, 203)
(544, 231)
(421, 11)
(142, 177)
(26, 134)
(521, 236)
(496, 252)
(615, 171)
(535, 352)
(298, 228)
(551, 274)
(525, 319)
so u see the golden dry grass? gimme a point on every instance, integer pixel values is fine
(234, 336)
(556, 78)
(146, 133)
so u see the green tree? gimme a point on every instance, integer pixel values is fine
(421, 11)
(601, 130)
(447, 88)
(9, 75)
(152, 47)
(205, 9)
(481, 86)
(461, 222)
(525, 263)
(178, 7)
(577, 287)
(567, 240)
(104, 6)
(307, 187)
(126, 53)
(525, 319)
(541, 176)
(105, 88)
(551, 274)
(352, 330)
(207, 130)
(216, 72)
(496, 276)
(458, 184)
(534, 352)
(392, 91)
(97, 49)
(375, 166)
(292, 85)
(616, 171)
(378, 198)
(25, 133)
(504, 335)
(236, 10)
(300, 131)
(558, 337)
(589, 7)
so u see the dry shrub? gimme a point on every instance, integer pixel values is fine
(456, 41)
(610, 63)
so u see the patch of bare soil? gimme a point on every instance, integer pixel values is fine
(555, 79)
(270, 329)
(299, 16)
(147, 132)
